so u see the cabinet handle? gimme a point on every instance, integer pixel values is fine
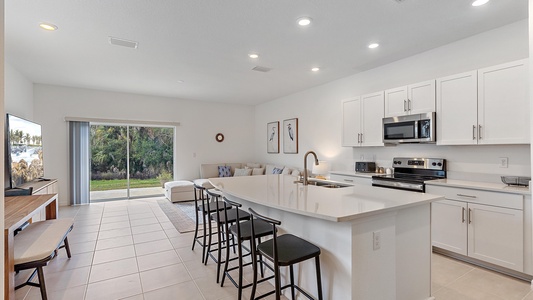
(464, 210)
(361, 138)
(408, 104)
(404, 105)
(358, 138)
(469, 216)
(479, 131)
(348, 180)
(473, 132)
(468, 196)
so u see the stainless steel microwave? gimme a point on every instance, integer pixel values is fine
(418, 128)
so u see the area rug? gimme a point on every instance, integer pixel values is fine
(181, 214)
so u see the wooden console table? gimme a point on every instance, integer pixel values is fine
(18, 210)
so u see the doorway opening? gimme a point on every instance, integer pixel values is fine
(130, 161)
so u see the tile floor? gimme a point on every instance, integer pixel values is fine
(130, 250)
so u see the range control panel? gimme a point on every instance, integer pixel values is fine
(419, 163)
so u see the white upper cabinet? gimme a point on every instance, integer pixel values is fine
(351, 122)
(372, 119)
(411, 99)
(487, 106)
(503, 104)
(457, 109)
(362, 121)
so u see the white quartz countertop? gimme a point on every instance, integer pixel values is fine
(334, 204)
(485, 186)
(356, 174)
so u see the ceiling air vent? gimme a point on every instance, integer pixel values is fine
(122, 42)
(261, 69)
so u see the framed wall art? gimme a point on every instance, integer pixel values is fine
(290, 135)
(273, 137)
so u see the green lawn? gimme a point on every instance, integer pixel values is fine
(117, 184)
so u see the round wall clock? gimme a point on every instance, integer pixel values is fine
(219, 137)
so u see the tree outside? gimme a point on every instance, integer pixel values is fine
(150, 157)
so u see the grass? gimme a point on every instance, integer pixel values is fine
(117, 184)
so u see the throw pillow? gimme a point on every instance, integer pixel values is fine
(277, 171)
(243, 172)
(258, 171)
(253, 165)
(224, 171)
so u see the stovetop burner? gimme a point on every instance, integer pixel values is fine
(410, 173)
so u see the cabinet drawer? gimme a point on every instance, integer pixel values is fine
(351, 179)
(476, 196)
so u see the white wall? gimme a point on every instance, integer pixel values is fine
(319, 109)
(2, 130)
(200, 122)
(18, 93)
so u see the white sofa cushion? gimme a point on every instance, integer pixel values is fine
(242, 172)
(258, 171)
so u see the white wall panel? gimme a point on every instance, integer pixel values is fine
(199, 123)
(319, 108)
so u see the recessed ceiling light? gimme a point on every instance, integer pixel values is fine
(479, 2)
(253, 55)
(304, 21)
(180, 81)
(315, 69)
(48, 26)
(373, 45)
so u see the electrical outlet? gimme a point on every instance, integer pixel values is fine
(376, 240)
(504, 162)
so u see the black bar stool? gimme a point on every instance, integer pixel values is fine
(283, 250)
(241, 231)
(221, 217)
(205, 208)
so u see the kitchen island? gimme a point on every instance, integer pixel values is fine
(375, 242)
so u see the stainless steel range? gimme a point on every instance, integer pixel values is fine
(410, 173)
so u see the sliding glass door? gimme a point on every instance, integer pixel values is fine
(129, 161)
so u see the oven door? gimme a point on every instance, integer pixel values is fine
(399, 185)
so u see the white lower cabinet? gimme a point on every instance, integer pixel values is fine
(491, 233)
(351, 179)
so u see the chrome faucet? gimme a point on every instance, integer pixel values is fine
(305, 179)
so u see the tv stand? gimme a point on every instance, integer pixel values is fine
(41, 187)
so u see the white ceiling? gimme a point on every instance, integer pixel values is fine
(205, 43)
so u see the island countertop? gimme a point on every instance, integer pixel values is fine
(333, 204)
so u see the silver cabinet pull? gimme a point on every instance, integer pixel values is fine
(361, 138)
(463, 214)
(404, 105)
(358, 138)
(348, 180)
(408, 104)
(473, 132)
(469, 216)
(479, 131)
(467, 196)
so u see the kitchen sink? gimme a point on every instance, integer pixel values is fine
(326, 183)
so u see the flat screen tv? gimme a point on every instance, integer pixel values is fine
(24, 146)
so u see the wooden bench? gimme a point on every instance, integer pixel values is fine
(37, 244)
